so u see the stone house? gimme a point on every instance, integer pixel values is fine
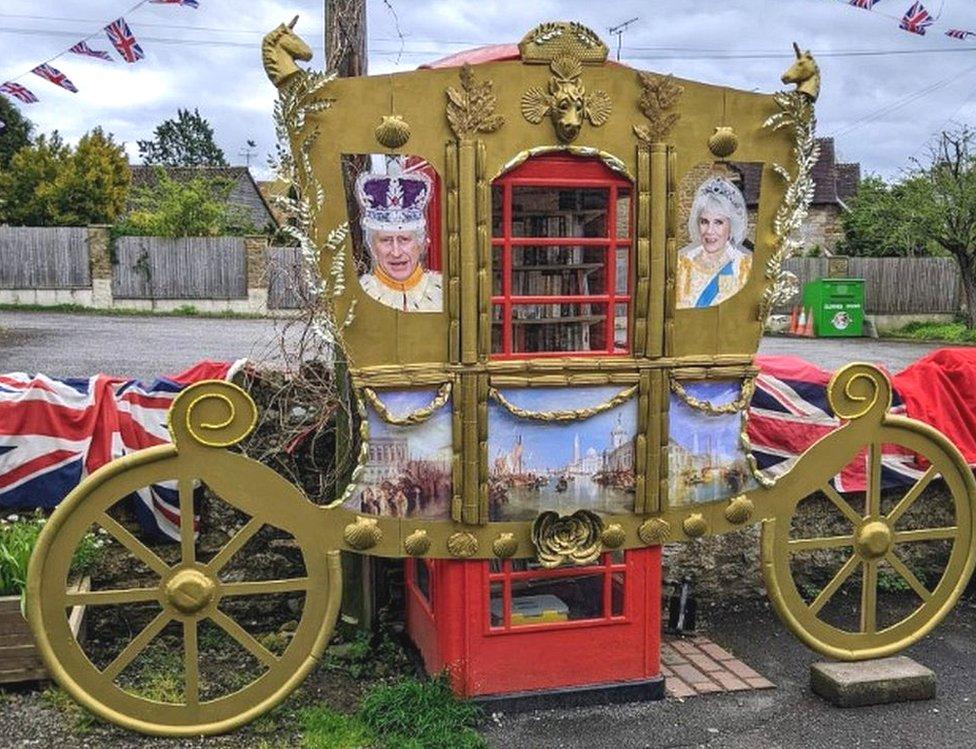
(244, 195)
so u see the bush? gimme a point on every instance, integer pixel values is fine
(18, 536)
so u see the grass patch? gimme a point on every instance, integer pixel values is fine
(412, 714)
(324, 728)
(82, 721)
(951, 332)
(185, 310)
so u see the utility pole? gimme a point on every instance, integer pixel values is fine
(345, 37)
(248, 151)
(619, 30)
(345, 55)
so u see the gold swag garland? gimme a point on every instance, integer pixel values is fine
(418, 416)
(740, 404)
(570, 415)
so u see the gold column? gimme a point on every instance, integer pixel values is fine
(467, 213)
(453, 253)
(658, 234)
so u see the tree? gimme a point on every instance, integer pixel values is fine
(27, 191)
(187, 140)
(47, 183)
(194, 208)
(93, 185)
(15, 130)
(950, 180)
(884, 220)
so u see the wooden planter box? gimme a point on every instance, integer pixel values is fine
(19, 659)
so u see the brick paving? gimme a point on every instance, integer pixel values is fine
(695, 665)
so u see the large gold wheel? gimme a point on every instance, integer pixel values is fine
(188, 590)
(873, 536)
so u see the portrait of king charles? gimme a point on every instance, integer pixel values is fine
(393, 217)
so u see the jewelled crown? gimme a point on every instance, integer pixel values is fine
(722, 188)
(393, 202)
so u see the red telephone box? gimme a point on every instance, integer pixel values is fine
(508, 627)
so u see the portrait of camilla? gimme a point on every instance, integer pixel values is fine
(715, 264)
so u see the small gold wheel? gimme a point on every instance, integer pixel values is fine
(185, 594)
(872, 541)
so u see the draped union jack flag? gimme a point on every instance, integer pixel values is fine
(19, 92)
(82, 48)
(960, 33)
(866, 4)
(55, 76)
(124, 41)
(916, 19)
(54, 432)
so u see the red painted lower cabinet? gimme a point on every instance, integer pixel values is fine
(502, 627)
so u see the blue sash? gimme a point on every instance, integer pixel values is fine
(710, 292)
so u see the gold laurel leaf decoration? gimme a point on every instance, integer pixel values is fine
(417, 543)
(363, 534)
(505, 545)
(654, 531)
(561, 539)
(613, 536)
(471, 109)
(462, 545)
(739, 510)
(659, 96)
(393, 131)
(695, 525)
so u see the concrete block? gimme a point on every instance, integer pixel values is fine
(897, 679)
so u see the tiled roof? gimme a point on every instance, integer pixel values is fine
(145, 176)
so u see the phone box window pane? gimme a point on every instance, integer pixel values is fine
(559, 212)
(623, 213)
(559, 327)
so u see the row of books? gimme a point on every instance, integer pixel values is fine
(574, 312)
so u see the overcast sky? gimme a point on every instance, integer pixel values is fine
(883, 108)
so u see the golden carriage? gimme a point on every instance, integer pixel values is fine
(545, 160)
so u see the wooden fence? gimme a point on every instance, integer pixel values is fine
(44, 258)
(895, 286)
(191, 268)
(286, 281)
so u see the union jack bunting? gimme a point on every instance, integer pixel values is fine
(55, 76)
(123, 40)
(960, 33)
(184, 3)
(82, 48)
(19, 92)
(916, 19)
(54, 432)
(866, 4)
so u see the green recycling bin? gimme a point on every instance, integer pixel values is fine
(837, 305)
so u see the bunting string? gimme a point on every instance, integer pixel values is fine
(917, 19)
(119, 35)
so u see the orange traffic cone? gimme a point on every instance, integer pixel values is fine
(801, 322)
(794, 316)
(808, 329)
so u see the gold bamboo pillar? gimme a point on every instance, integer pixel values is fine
(658, 248)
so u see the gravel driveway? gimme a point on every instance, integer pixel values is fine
(65, 345)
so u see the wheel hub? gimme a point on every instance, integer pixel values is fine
(190, 591)
(873, 539)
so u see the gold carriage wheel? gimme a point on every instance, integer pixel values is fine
(873, 539)
(188, 592)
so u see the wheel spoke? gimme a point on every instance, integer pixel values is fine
(873, 509)
(138, 644)
(822, 542)
(245, 638)
(263, 587)
(841, 504)
(234, 545)
(133, 544)
(107, 597)
(926, 534)
(191, 662)
(869, 597)
(905, 502)
(834, 585)
(908, 576)
(188, 536)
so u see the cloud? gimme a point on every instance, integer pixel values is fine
(209, 59)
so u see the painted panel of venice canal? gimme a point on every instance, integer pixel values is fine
(706, 460)
(565, 466)
(408, 469)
